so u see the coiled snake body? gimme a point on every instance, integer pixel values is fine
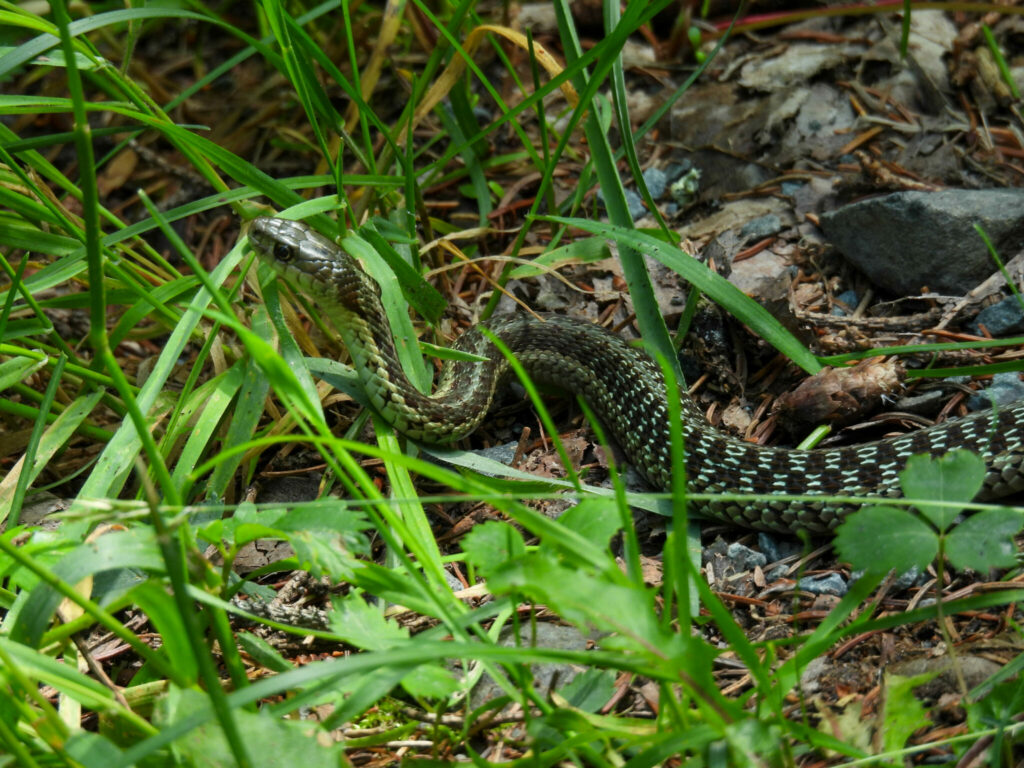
(626, 389)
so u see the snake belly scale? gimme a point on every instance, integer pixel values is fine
(627, 391)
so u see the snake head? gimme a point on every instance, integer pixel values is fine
(314, 263)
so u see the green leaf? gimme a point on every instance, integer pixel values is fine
(903, 713)
(590, 690)
(154, 600)
(490, 545)
(595, 518)
(588, 600)
(18, 369)
(263, 652)
(421, 295)
(955, 477)
(430, 681)
(880, 538)
(134, 548)
(985, 540)
(91, 750)
(364, 626)
(54, 438)
(273, 740)
(45, 670)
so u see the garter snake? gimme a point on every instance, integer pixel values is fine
(626, 389)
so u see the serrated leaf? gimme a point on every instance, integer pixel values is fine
(880, 538)
(985, 540)
(364, 626)
(588, 600)
(903, 713)
(955, 477)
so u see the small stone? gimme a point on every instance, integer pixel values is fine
(675, 170)
(1006, 317)
(656, 181)
(849, 299)
(761, 227)
(829, 584)
(745, 558)
(1006, 388)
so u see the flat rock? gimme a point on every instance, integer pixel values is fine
(908, 240)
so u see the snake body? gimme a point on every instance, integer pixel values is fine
(627, 391)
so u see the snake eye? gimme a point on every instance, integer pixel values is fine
(283, 252)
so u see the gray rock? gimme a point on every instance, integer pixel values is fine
(744, 557)
(909, 240)
(1006, 388)
(1000, 319)
(829, 584)
(764, 276)
(656, 181)
(761, 227)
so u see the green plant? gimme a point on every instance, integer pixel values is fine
(170, 457)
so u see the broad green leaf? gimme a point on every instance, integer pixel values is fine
(590, 690)
(491, 544)
(91, 749)
(880, 538)
(595, 518)
(154, 600)
(263, 652)
(430, 681)
(421, 295)
(17, 369)
(588, 600)
(955, 477)
(985, 540)
(46, 670)
(134, 548)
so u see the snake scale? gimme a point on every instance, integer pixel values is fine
(626, 389)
